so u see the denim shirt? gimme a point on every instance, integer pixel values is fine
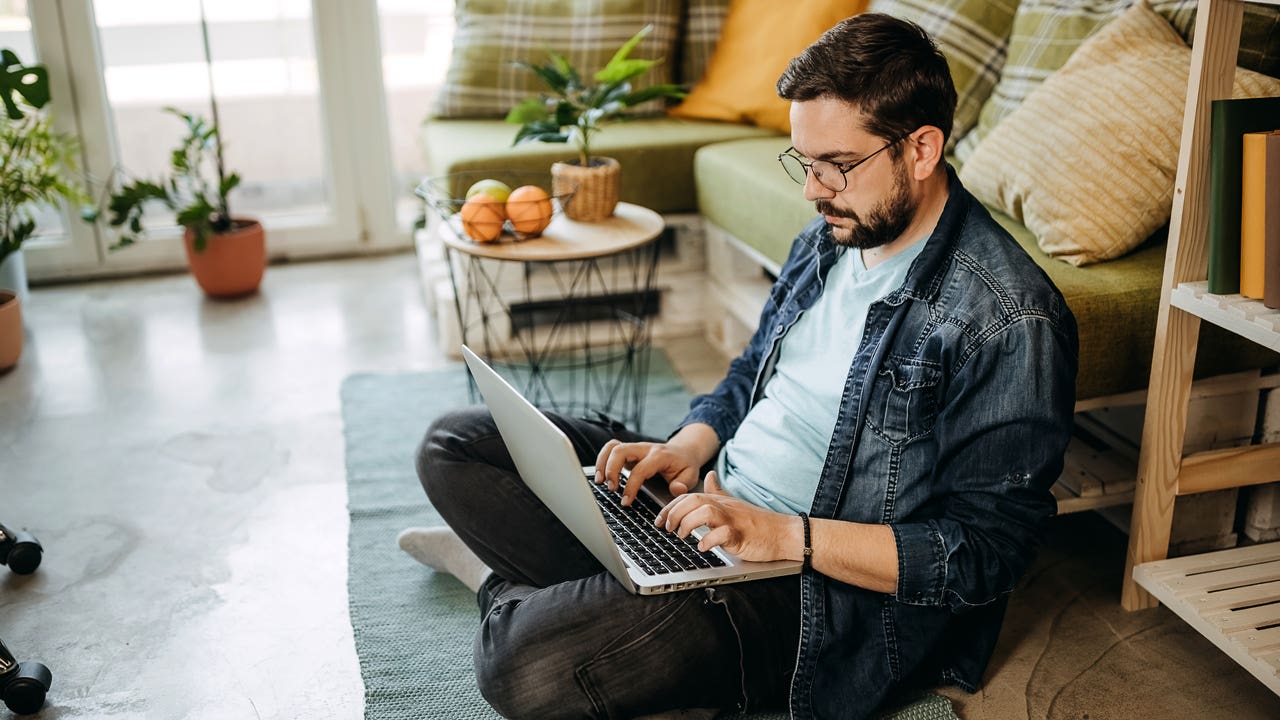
(952, 427)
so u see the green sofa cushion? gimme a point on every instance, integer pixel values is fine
(1114, 302)
(1115, 306)
(744, 191)
(656, 153)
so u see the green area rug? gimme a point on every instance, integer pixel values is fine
(413, 628)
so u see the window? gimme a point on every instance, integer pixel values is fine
(319, 105)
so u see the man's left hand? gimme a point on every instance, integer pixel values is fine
(746, 530)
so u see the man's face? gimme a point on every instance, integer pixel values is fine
(877, 204)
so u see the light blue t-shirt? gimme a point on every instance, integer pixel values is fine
(776, 456)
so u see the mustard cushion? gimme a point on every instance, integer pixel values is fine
(757, 41)
(1087, 162)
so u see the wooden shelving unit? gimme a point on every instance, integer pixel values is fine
(1240, 315)
(1243, 616)
(1229, 597)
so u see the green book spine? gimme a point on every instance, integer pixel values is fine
(1271, 224)
(1229, 121)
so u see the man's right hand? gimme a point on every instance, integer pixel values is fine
(678, 461)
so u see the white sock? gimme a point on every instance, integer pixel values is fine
(440, 549)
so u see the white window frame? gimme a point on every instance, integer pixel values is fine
(355, 135)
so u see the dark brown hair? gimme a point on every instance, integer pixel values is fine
(889, 69)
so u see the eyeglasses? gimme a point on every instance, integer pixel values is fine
(832, 176)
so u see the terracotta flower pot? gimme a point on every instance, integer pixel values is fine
(595, 189)
(231, 263)
(10, 329)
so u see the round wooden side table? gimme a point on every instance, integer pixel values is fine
(563, 316)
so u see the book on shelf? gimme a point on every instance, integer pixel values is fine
(1229, 120)
(1259, 209)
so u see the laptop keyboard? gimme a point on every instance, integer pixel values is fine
(655, 550)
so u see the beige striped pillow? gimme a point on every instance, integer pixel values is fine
(1087, 162)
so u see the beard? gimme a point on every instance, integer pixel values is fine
(882, 225)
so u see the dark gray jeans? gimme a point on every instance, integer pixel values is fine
(559, 637)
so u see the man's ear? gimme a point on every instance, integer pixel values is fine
(926, 146)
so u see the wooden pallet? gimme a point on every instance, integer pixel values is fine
(1231, 597)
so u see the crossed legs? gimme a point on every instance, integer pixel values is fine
(559, 636)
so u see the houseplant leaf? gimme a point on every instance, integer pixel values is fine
(229, 183)
(566, 113)
(608, 93)
(619, 67)
(196, 217)
(621, 70)
(556, 80)
(565, 69)
(651, 92)
(545, 131)
(31, 84)
(532, 110)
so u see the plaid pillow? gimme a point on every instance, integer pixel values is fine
(1260, 40)
(492, 35)
(1259, 35)
(1045, 34)
(972, 34)
(702, 22)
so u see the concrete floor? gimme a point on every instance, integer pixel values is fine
(181, 459)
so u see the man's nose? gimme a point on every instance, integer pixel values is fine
(814, 190)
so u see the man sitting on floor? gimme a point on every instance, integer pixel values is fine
(907, 395)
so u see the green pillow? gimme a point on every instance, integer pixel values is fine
(492, 35)
(973, 35)
(702, 22)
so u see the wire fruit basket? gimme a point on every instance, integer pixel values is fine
(525, 214)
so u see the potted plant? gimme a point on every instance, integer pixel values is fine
(575, 110)
(37, 169)
(226, 254)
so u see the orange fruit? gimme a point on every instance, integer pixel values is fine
(482, 217)
(529, 208)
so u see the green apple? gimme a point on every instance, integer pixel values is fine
(494, 189)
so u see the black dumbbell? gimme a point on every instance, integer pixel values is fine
(20, 550)
(23, 686)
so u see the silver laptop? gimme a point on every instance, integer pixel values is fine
(645, 559)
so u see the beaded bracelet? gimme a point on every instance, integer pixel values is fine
(808, 548)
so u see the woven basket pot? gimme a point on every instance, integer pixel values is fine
(10, 329)
(595, 188)
(231, 263)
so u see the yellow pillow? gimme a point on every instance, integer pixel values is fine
(757, 41)
(1087, 161)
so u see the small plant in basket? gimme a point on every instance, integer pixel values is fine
(574, 110)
